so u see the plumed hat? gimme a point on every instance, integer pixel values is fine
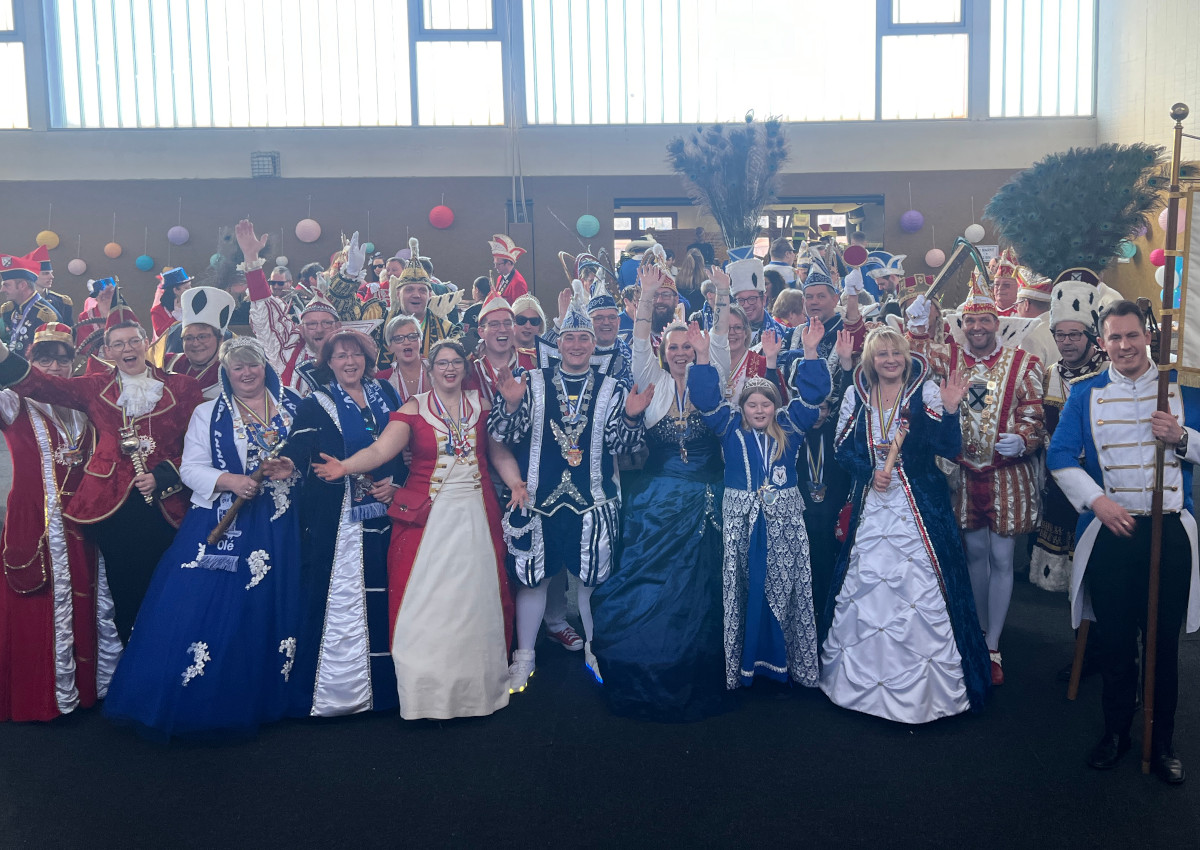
(577, 318)
(502, 247)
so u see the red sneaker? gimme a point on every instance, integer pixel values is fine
(567, 638)
(997, 668)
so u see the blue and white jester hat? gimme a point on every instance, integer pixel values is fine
(818, 274)
(577, 318)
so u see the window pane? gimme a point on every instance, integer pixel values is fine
(14, 110)
(6, 15)
(661, 222)
(623, 223)
(925, 76)
(927, 11)
(185, 63)
(662, 61)
(459, 83)
(457, 14)
(1042, 57)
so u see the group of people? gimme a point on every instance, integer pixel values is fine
(348, 509)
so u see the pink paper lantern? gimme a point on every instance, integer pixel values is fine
(307, 230)
(935, 257)
(1158, 257)
(441, 216)
(1180, 224)
(77, 267)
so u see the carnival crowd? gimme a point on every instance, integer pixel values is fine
(792, 468)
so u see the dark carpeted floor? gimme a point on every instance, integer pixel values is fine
(555, 769)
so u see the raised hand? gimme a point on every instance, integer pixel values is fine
(954, 388)
(854, 284)
(564, 301)
(650, 278)
(331, 470)
(718, 277)
(250, 243)
(811, 336)
(356, 258)
(918, 312)
(637, 402)
(510, 389)
(699, 341)
(771, 344)
(845, 349)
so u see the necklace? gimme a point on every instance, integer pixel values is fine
(70, 454)
(405, 382)
(887, 416)
(573, 422)
(681, 419)
(766, 492)
(457, 442)
(270, 434)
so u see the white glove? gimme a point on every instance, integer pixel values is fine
(356, 259)
(1010, 445)
(918, 312)
(853, 284)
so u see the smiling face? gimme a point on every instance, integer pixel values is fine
(405, 343)
(1126, 343)
(448, 368)
(497, 330)
(758, 411)
(126, 347)
(664, 307)
(200, 344)
(247, 378)
(820, 302)
(889, 362)
(752, 302)
(53, 358)
(347, 363)
(1072, 341)
(414, 298)
(737, 334)
(576, 348)
(678, 353)
(315, 326)
(1004, 290)
(980, 330)
(529, 328)
(606, 322)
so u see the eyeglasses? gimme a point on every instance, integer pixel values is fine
(378, 268)
(47, 362)
(1068, 336)
(742, 300)
(536, 321)
(412, 337)
(498, 326)
(121, 345)
(449, 364)
(188, 340)
(317, 326)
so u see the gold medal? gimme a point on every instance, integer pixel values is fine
(574, 455)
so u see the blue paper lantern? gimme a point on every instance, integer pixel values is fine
(587, 226)
(144, 263)
(369, 247)
(178, 235)
(912, 221)
(1126, 250)
(214, 260)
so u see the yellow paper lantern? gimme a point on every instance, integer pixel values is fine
(112, 250)
(48, 238)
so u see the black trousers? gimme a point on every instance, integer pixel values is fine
(132, 541)
(1117, 576)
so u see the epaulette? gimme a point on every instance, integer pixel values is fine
(66, 299)
(7, 307)
(47, 313)
(1088, 376)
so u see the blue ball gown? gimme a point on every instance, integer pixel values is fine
(658, 618)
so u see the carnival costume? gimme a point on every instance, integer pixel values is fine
(63, 305)
(214, 647)
(21, 320)
(280, 336)
(512, 286)
(769, 625)
(210, 307)
(903, 640)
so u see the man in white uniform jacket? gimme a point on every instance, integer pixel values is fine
(1112, 424)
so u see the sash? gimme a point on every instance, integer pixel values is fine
(345, 413)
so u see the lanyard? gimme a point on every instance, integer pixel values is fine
(765, 448)
(572, 412)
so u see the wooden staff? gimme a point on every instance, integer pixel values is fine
(1179, 111)
(1081, 639)
(894, 451)
(256, 476)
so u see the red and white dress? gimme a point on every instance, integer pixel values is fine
(451, 613)
(58, 644)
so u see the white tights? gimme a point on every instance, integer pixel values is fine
(531, 607)
(990, 564)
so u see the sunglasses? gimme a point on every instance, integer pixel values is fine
(529, 320)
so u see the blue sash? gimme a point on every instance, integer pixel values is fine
(363, 505)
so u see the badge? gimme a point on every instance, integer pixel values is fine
(574, 455)
(779, 476)
(817, 491)
(769, 495)
(68, 456)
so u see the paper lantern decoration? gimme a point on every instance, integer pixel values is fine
(912, 221)
(215, 260)
(441, 216)
(974, 233)
(935, 257)
(144, 263)
(1158, 257)
(587, 226)
(281, 260)
(1126, 250)
(178, 235)
(48, 238)
(307, 230)
(1180, 224)
(77, 267)
(369, 247)
(112, 250)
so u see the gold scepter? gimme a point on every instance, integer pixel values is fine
(131, 445)
(256, 476)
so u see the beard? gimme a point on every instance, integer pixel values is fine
(661, 317)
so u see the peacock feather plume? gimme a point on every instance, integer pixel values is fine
(731, 171)
(1072, 209)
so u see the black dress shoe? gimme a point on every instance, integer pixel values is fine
(1168, 768)
(1108, 751)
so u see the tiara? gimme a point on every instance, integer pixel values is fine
(755, 383)
(244, 342)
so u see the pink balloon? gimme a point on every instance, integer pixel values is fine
(307, 230)
(1180, 224)
(1158, 257)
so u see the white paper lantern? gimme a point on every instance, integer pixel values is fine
(974, 233)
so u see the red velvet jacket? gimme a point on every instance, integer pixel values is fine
(108, 475)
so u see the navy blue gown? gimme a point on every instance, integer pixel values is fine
(658, 618)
